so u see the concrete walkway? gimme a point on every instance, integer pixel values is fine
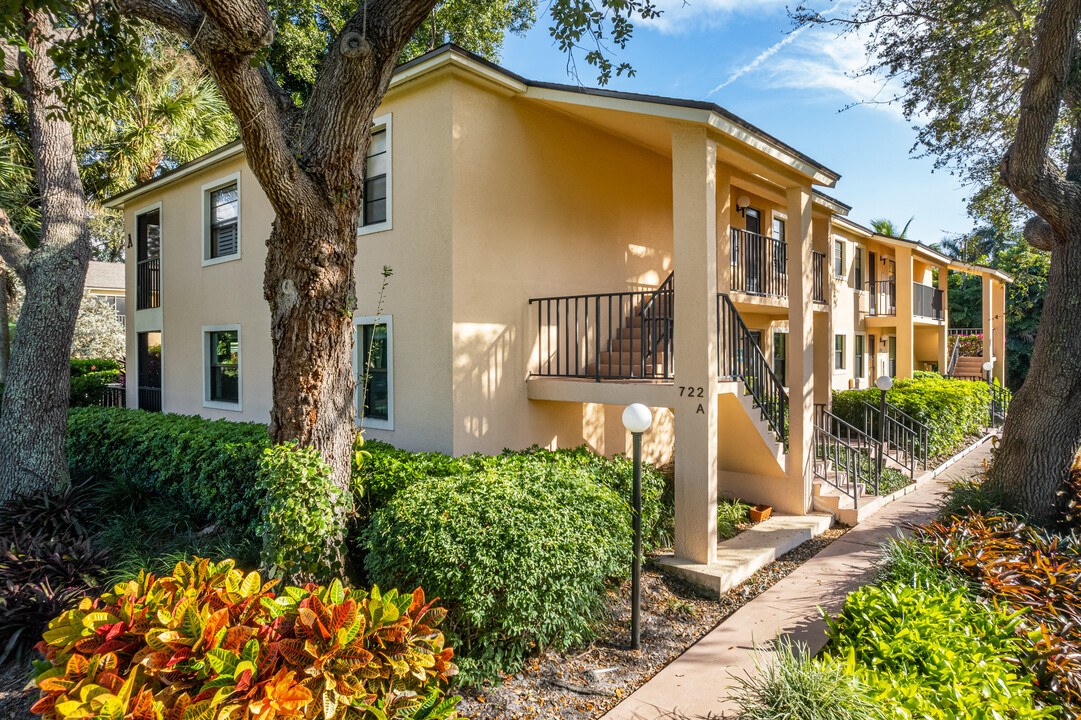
(697, 683)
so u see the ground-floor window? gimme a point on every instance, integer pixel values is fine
(221, 357)
(780, 356)
(375, 372)
(839, 352)
(858, 369)
(893, 357)
(148, 357)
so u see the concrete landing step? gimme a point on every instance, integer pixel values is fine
(748, 552)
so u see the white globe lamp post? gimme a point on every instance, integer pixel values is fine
(637, 419)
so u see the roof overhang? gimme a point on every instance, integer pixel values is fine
(982, 270)
(215, 156)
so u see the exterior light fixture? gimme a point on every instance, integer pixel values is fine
(129, 240)
(742, 203)
(987, 368)
(637, 419)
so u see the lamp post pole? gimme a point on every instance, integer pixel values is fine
(637, 419)
(884, 383)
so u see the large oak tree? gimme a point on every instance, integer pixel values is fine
(994, 87)
(304, 106)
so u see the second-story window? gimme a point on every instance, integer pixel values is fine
(839, 258)
(780, 255)
(221, 220)
(857, 258)
(376, 213)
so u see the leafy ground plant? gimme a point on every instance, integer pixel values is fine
(914, 563)
(791, 685)
(209, 641)
(730, 514)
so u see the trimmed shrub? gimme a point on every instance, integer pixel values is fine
(214, 465)
(210, 642)
(299, 512)
(952, 409)
(387, 470)
(520, 557)
(80, 367)
(933, 654)
(89, 389)
(971, 345)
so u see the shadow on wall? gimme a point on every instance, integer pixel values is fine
(484, 354)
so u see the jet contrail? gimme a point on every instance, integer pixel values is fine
(762, 57)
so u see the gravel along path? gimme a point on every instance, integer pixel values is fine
(586, 683)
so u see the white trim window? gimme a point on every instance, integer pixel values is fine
(222, 382)
(857, 259)
(839, 352)
(375, 215)
(858, 356)
(373, 364)
(221, 220)
(839, 257)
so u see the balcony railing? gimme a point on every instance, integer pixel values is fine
(607, 336)
(881, 298)
(927, 301)
(759, 264)
(148, 284)
(819, 286)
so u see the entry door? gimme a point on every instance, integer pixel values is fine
(872, 348)
(149, 359)
(893, 357)
(754, 250)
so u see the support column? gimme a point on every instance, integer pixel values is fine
(988, 315)
(998, 305)
(724, 230)
(695, 189)
(943, 332)
(905, 345)
(823, 322)
(801, 380)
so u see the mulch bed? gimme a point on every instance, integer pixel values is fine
(14, 703)
(586, 683)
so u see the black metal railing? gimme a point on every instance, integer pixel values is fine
(905, 440)
(607, 336)
(881, 298)
(150, 398)
(927, 301)
(1000, 404)
(845, 456)
(739, 357)
(954, 354)
(114, 396)
(819, 282)
(759, 264)
(148, 284)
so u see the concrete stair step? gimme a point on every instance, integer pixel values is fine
(617, 371)
(748, 552)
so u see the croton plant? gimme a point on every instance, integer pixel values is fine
(210, 643)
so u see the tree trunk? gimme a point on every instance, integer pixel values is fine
(311, 299)
(34, 413)
(5, 336)
(1043, 429)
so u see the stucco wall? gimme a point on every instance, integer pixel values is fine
(544, 205)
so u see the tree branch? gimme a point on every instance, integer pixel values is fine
(12, 248)
(179, 16)
(246, 23)
(357, 68)
(1027, 168)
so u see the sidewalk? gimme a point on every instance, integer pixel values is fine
(696, 683)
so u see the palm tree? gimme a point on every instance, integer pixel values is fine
(883, 226)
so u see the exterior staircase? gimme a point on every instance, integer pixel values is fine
(625, 356)
(970, 368)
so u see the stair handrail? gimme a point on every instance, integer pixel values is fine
(1000, 402)
(769, 394)
(665, 335)
(903, 444)
(858, 460)
(955, 353)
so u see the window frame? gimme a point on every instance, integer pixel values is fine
(383, 122)
(781, 372)
(207, 190)
(840, 353)
(133, 287)
(208, 331)
(358, 391)
(859, 355)
(839, 257)
(858, 267)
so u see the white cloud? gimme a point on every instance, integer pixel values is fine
(685, 15)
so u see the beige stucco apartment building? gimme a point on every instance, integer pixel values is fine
(558, 253)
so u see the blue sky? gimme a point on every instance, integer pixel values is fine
(707, 50)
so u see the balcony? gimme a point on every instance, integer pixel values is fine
(927, 302)
(882, 298)
(759, 264)
(148, 284)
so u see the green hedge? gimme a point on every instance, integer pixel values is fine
(952, 409)
(213, 464)
(89, 378)
(520, 556)
(388, 470)
(80, 367)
